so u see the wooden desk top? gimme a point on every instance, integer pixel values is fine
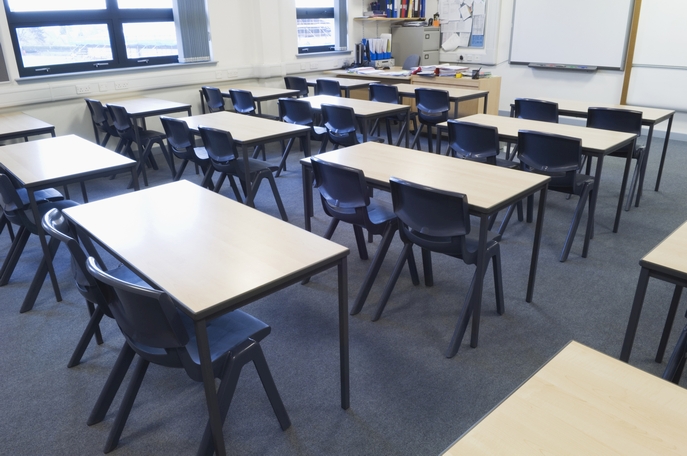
(362, 108)
(488, 187)
(244, 128)
(213, 255)
(454, 93)
(583, 402)
(670, 255)
(142, 107)
(594, 140)
(46, 160)
(17, 122)
(264, 93)
(344, 83)
(579, 108)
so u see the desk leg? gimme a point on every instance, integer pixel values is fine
(486, 100)
(634, 315)
(623, 187)
(134, 179)
(342, 269)
(642, 169)
(592, 204)
(306, 175)
(246, 176)
(364, 127)
(209, 385)
(44, 244)
(663, 157)
(536, 244)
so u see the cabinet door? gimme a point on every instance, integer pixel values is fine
(431, 39)
(429, 58)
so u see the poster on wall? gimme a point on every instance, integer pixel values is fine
(462, 23)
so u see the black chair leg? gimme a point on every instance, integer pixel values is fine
(577, 216)
(427, 267)
(13, 255)
(270, 387)
(39, 278)
(114, 380)
(127, 404)
(284, 156)
(181, 170)
(376, 264)
(676, 363)
(395, 274)
(91, 329)
(498, 281)
(670, 318)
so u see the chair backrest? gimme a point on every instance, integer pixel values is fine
(623, 120)
(99, 115)
(297, 83)
(56, 225)
(553, 155)
(10, 201)
(213, 98)
(328, 87)
(473, 141)
(528, 108)
(179, 136)
(243, 101)
(340, 123)
(296, 111)
(413, 60)
(219, 144)
(121, 120)
(146, 317)
(343, 190)
(383, 93)
(432, 104)
(434, 219)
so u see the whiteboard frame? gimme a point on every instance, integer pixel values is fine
(604, 63)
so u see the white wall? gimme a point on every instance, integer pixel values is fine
(255, 42)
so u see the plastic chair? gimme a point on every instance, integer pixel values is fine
(479, 143)
(388, 94)
(432, 109)
(341, 126)
(243, 101)
(101, 121)
(160, 334)
(412, 61)
(439, 221)
(528, 108)
(625, 121)
(213, 98)
(345, 198)
(97, 295)
(676, 363)
(127, 136)
(224, 158)
(16, 209)
(297, 83)
(299, 112)
(181, 142)
(328, 87)
(561, 158)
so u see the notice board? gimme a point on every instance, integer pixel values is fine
(580, 32)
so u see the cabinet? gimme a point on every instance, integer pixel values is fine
(423, 41)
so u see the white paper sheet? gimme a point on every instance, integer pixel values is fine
(464, 39)
(464, 26)
(478, 8)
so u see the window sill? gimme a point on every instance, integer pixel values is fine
(323, 54)
(28, 79)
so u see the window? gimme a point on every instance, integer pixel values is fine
(70, 36)
(321, 26)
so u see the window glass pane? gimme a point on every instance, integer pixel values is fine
(315, 32)
(55, 5)
(145, 4)
(314, 3)
(150, 39)
(55, 45)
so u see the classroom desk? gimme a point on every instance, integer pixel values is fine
(19, 125)
(260, 94)
(595, 143)
(346, 84)
(489, 189)
(250, 131)
(668, 262)
(455, 94)
(583, 402)
(235, 255)
(366, 111)
(389, 76)
(650, 117)
(140, 108)
(58, 161)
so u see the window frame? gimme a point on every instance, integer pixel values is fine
(112, 17)
(340, 15)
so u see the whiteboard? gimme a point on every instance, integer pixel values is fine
(662, 34)
(578, 32)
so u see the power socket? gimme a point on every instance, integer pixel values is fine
(82, 89)
(121, 85)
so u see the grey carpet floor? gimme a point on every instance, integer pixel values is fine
(406, 397)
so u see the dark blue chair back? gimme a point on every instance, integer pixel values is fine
(243, 101)
(343, 190)
(384, 93)
(553, 155)
(297, 83)
(528, 108)
(432, 105)
(473, 141)
(340, 123)
(213, 98)
(219, 145)
(328, 87)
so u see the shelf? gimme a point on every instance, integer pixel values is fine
(388, 19)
